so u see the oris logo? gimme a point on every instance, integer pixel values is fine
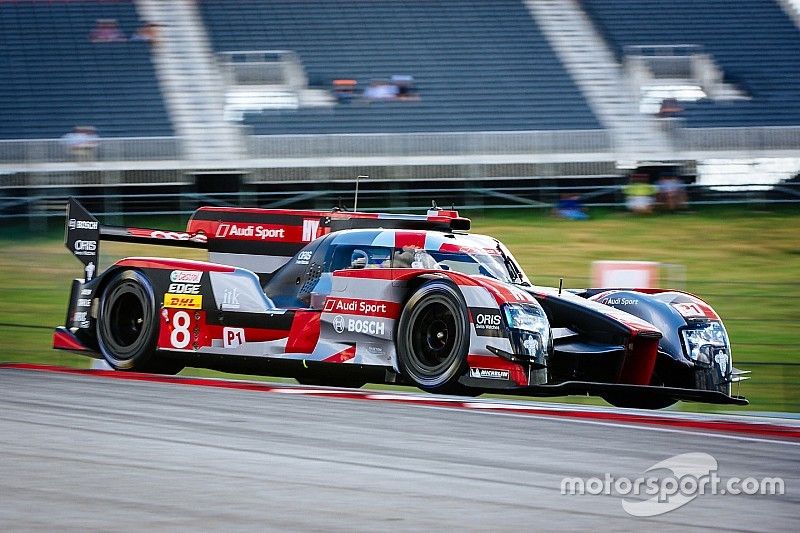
(488, 321)
(85, 247)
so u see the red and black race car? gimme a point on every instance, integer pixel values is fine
(345, 298)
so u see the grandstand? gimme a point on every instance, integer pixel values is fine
(753, 41)
(507, 89)
(55, 77)
(477, 65)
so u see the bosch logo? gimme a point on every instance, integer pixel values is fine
(338, 323)
(370, 327)
(82, 224)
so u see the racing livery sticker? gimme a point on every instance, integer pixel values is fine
(487, 321)
(232, 337)
(184, 288)
(263, 232)
(185, 276)
(489, 373)
(183, 301)
(356, 306)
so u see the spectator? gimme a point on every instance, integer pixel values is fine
(380, 90)
(82, 142)
(106, 31)
(670, 107)
(640, 194)
(344, 90)
(569, 206)
(406, 90)
(149, 32)
(671, 193)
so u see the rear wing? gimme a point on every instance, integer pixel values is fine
(261, 240)
(83, 233)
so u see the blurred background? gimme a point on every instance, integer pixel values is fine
(576, 131)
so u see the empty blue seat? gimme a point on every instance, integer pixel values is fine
(55, 78)
(477, 65)
(754, 41)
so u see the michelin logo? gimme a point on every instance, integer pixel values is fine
(488, 373)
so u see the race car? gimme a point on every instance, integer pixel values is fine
(345, 298)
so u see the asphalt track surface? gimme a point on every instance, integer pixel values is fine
(85, 452)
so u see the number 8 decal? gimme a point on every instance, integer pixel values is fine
(180, 336)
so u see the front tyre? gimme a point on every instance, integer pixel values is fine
(127, 325)
(433, 337)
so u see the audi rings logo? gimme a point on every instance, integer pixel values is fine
(338, 323)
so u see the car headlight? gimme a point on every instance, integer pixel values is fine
(706, 343)
(530, 328)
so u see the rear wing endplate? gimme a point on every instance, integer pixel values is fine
(83, 233)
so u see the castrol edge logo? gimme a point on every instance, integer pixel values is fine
(185, 276)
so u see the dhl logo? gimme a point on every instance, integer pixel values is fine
(183, 301)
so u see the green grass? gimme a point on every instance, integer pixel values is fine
(745, 263)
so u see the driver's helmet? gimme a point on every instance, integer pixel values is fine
(359, 259)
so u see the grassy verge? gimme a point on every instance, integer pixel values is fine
(745, 263)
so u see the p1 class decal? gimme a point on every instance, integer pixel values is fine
(232, 337)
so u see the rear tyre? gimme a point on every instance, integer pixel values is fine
(127, 326)
(433, 338)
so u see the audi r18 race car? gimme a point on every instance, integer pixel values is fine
(344, 298)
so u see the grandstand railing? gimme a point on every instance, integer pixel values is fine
(421, 144)
(731, 139)
(32, 151)
(21, 153)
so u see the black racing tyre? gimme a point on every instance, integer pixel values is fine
(127, 325)
(638, 400)
(433, 338)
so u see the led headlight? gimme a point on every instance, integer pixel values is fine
(530, 328)
(707, 343)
